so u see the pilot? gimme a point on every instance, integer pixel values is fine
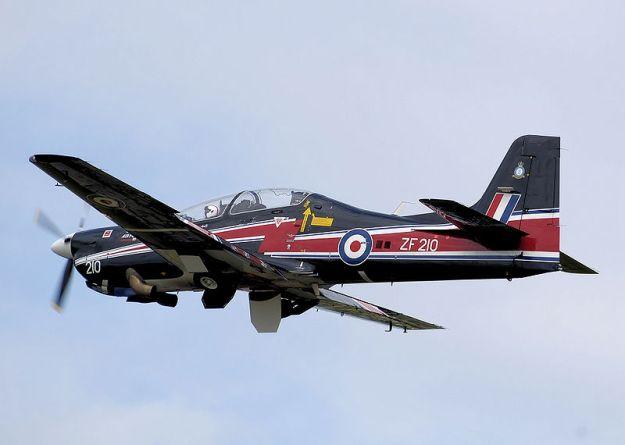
(297, 197)
(211, 211)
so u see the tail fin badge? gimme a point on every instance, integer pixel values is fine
(519, 171)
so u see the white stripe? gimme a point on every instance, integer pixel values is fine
(452, 253)
(546, 209)
(173, 229)
(376, 231)
(502, 206)
(534, 260)
(239, 226)
(106, 255)
(245, 239)
(302, 254)
(541, 253)
(123, 248)
(460, 253)
(409, 253)
(246, 226)
(411, 229)
(527, 216)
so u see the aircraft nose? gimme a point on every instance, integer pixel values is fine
(62, 246)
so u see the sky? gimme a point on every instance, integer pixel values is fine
(370, 103)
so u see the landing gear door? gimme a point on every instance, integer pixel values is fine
(266, 314)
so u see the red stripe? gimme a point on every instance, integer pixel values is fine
(493, 205)
(543, 234)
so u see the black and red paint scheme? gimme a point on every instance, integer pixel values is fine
(287, 248)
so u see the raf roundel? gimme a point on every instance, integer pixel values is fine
(106, 201)
(355, 247)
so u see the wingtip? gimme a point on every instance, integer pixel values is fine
(57, 308)
(39, 158)
(43, 158)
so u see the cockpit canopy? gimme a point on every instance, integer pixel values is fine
(246, 201)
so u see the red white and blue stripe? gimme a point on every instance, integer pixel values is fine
(502, 206)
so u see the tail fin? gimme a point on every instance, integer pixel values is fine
(525, 194)
(531, 168)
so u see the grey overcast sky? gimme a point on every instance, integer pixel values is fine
(368, 102)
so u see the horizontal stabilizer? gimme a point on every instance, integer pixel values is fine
(486, 230)
(571, 265)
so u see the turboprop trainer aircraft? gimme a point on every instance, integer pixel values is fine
(287, 247)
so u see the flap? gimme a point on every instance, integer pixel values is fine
(346, 305)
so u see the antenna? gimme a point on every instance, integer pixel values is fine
(401, 204)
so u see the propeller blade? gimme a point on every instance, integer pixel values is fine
(46, 223)
(57, 304)
(83, 218)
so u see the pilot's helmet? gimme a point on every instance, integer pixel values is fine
(210, 211)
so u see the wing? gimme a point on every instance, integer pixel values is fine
(346, 305)
(180, 241)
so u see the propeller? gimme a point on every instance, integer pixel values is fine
(62, 248)
(57, 303)
(42, 220)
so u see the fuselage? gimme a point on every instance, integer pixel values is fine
(343, 244)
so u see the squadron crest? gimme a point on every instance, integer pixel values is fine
(519, 171)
